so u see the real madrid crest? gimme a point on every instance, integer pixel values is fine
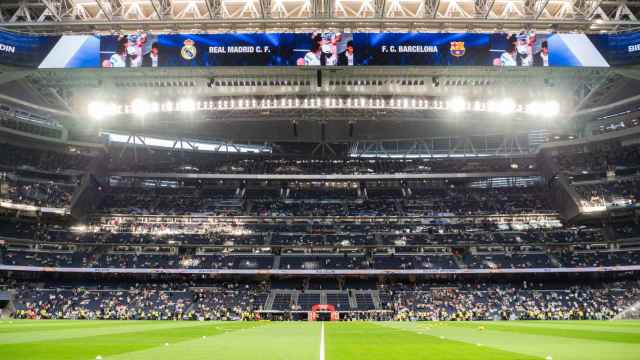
(189, 50)
(457, 48)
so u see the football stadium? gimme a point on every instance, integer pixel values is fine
(320, 179)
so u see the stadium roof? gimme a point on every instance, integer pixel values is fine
(70, 91)
(65, 95)
(85, 16)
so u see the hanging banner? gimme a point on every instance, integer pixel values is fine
(525, 49)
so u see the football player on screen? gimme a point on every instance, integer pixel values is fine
(524, 45)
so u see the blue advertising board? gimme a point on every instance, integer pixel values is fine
(321, 49)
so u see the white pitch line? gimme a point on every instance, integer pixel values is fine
(322, 342)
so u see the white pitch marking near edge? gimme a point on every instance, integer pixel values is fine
(322, 342)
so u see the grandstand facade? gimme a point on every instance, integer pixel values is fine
(417, 182)
(270, 236)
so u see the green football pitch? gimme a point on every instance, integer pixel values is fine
(159, 340)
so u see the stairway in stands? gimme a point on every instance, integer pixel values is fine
(352, 300)
(7, 306)
(376, 300)
(459, 261)
(268, 304)
(554, 260)
(276, 262)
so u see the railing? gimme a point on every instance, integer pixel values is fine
(367, 272)
(328, 177)
(630, 313)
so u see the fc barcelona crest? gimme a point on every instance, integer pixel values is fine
(189, 51)
(457, 48)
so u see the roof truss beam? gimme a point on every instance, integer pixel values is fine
(431, 8)
(455, 15)
(161, 8)
(483, 8)
(214, 9)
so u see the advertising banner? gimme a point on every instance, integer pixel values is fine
(525, 49)
(623, 49)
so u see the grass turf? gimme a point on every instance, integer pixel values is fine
(160, 340)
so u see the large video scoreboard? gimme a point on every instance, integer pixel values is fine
(525, 49)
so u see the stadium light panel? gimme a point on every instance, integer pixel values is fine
(456, 104)
(492, 106)
(140, 107)
(535, 108)
(186, 105)
(552, 108)
(100, 109)
(506, 106)
(543, 108)
(95, 109)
